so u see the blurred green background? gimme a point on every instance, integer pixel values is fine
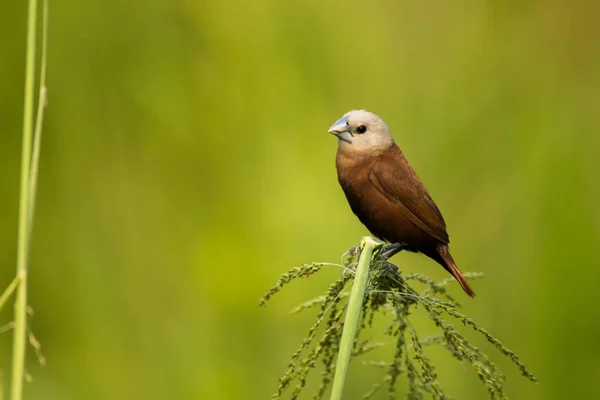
(186, 164)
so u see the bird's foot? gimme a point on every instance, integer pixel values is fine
(350, 255)
(392, 249)
(349, 269)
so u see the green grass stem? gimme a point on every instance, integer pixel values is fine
(9, 290)
(28, 183)
(37, 139)
(353, 312)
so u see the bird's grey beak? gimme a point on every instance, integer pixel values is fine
(341, 129)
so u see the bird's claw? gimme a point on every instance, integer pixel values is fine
(352, 251)
(350, 268)
(391, 250)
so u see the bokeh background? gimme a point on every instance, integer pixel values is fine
(186, 165)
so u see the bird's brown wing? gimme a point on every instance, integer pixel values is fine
(398, 182)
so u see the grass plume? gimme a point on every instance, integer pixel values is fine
(388, 291)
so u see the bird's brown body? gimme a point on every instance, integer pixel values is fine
(388, 197)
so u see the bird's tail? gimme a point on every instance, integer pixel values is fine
(450, 266)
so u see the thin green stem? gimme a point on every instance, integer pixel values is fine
(20, 331)
(357, 293)
(37, 139)
(9, 291)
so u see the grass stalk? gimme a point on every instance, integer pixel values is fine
(37, 139)
(9, 290)
(26, 196)
(353, 311)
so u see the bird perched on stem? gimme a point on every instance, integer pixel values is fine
(386, 194)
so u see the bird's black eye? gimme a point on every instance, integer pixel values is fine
(361, 129)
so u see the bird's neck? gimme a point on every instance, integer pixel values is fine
(350, 156)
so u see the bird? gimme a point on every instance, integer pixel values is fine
(386, 194)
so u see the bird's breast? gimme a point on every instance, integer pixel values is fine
(382, 217)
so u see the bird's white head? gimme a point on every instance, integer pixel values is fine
(362, 132)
